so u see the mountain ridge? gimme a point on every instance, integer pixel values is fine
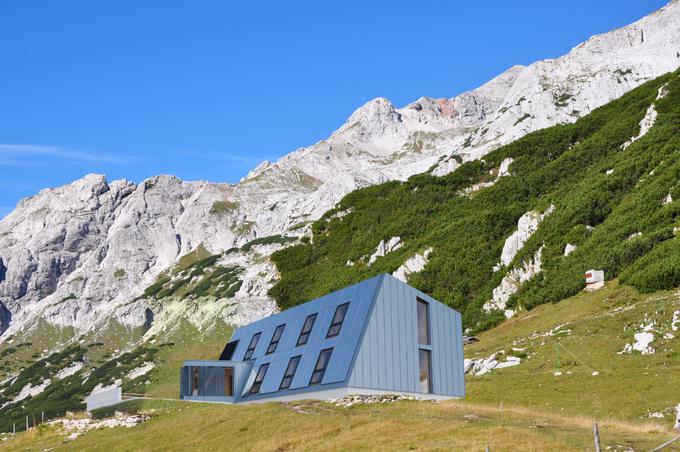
(84, 253)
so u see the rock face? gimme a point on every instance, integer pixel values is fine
(385, 247)
(80, 254)
(412, 265)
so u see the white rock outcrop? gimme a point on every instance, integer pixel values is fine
(485, 365)
(643, 341)
(70, 370)
(412, 265)
(385, 247)
(647, 121)
(569, 248)
(526, 226)
(79, 255)
(503, 171)
(512, 281)
(668, 199)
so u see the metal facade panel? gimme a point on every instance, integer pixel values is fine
(360, 296)
(377, 348)
(387, 358)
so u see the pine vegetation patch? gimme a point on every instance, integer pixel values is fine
(620, 221)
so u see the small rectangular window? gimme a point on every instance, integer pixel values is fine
(228, 351)
(425, 383)
(194, 380)
(251, 346)
(320, 367)
(306, 329)
(278, 332)
(338, 318)
(257, 384)
(290, 372)
(229, 381)
(423, 322)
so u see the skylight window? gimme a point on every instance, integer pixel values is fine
(251, 346)
(338, 318)
(257, 384)
(306, 329)
(278, 332)
(290, 372)
(320, 367)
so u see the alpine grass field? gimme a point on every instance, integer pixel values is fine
(523, 407)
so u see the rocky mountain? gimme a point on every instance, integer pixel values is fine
(94, 250)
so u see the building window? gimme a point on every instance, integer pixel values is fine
(306, 329)
(423, 322)
(320, 367)
(257, 384)
(228, 351)
(229, 381)
(275, 339)
(290, 372)
(194, 380)
(425, 383)
(251, 346)
(338, 318)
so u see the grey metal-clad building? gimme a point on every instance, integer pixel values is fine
(380, 336)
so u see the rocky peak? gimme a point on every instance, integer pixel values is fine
(75, 254)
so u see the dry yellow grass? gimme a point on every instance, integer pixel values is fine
(320, 426)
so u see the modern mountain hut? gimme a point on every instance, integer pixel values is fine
(380, 336)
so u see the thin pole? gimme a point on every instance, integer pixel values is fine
(42, 418)
(596, 435)
(557, 348)
(14, 428)
(487, 448)
(667, 443)
(26, 423)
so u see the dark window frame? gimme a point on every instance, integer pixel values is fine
(336, 324)
(252, 346)
(259, 378)
(229, 350)
(429, 370)
(274, 343)
(228, 381)
(195, 375)
(289, 374)
(319, 372)
(421, 302)
(306, 332)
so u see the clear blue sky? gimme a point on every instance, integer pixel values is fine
(208, 89)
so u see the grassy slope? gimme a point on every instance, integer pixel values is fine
(102, 354)
(567, 166)
(521, 407)
(319, 426)
(596, 327)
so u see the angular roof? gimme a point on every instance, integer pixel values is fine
(361, 297)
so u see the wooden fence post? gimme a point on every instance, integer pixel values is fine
(596, 435)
